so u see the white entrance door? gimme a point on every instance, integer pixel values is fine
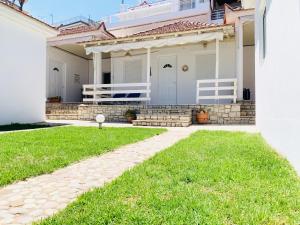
(56, 79)
(167, 80)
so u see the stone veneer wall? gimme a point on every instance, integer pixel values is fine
(219, 114)
(62, 111)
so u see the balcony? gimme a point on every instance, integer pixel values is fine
(155, 12)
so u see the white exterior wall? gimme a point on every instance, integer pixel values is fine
(249, 70)
(278, 79)
(22, 72)
(72, 65)
(186, 55)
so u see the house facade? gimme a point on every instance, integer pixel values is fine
(175, 53)
(277, 80)
(22, 78)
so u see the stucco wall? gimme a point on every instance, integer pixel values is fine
(72, 65)
(186, 55)
(278, 79)
(22, 73)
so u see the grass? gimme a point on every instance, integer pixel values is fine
(210, 178)
(18, 126)
(31, 153)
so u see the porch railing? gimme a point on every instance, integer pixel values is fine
(217, 89)
(126, 92)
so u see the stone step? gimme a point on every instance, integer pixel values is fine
(248, 108)
(166, 111)
(251, 120)
(249, 113)
(162, 123)
(62, 111)
(62, 116)
(171, 117)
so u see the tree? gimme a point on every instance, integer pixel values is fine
(21, 3)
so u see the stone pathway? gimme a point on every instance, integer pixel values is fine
(40, 197)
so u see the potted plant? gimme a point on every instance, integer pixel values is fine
(56, 99)
(202, 116)
(130, 115)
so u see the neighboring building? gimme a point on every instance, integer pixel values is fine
(200, 40)
(23, 43)
(277, 75)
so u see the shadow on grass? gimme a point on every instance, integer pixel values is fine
(18, 126)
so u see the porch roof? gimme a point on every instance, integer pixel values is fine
(156, 43)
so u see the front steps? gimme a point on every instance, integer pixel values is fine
(58, 111)
(248, 112)
(164, 118)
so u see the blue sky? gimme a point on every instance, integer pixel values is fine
(66, 9)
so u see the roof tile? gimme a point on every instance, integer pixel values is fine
(180, 26)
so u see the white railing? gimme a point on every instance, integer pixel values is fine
(126, 92)
(217, 89)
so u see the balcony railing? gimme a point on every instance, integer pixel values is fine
(218, 14)
(217, 89)
(126, 92)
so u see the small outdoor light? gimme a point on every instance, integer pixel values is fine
(100, 119)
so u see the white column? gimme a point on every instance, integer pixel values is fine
(97, 59)
(217, 65)
(148, 70)
(97, 68)
(240, 59)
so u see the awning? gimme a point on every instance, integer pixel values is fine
(156, 43)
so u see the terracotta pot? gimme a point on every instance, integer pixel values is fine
(202, 117)
(130, 119)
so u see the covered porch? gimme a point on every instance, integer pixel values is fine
(179, 68)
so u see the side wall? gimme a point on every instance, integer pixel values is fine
(73, 65)
(277, 77)
(22, 74)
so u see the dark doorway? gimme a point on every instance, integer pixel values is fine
(106, 78)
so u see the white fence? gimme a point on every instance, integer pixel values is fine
(217, 89)
(126, 92)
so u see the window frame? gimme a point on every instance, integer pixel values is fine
(183, 6)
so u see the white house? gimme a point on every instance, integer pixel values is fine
(170, 54)
(219, 44)
(23, 41)
(277, 75)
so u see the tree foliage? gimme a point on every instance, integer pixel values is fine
(20, 3)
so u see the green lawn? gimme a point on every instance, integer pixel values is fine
(31, 153)
(17, 126)
(211, 178)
